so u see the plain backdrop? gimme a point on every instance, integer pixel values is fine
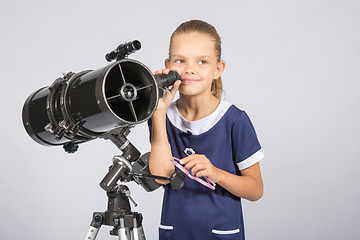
(292, 65)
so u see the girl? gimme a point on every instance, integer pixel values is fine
(210, 137)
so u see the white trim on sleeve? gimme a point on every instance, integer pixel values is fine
(256, 157)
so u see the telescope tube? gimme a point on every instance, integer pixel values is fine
(82, 106)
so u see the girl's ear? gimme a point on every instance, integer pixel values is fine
(219, 69)
(167, 63)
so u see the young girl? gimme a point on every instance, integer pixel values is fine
(210, 137)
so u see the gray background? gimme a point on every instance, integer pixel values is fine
(292, 65)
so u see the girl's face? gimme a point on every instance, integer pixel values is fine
(194, 57)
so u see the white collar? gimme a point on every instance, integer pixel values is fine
(199, 126)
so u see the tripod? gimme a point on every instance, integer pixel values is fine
(126, 224)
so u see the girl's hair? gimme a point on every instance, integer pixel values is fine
(205, 28)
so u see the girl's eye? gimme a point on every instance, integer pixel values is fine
(179, 61)
(202, 62)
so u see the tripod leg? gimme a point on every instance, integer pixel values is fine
(95, 225)
(92, 233)
(123, 231)
(137, 232)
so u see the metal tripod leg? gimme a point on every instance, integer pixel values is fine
(134, 232)
(94, 228)
(92, 233)
(123, 232)
(137, 232)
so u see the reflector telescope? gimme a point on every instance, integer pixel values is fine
(79, 107)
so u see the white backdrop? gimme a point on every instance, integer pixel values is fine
(292, 65)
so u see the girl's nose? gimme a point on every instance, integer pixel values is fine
(189, 69)
(190, 72)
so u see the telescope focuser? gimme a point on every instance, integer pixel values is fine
(123, 50)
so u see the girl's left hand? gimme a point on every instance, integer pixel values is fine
(201, 166)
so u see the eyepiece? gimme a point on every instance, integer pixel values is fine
(167, 80)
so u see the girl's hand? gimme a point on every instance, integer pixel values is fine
(249, 185)
(169, 95)
(201, 166)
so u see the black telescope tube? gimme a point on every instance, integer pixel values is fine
(80, 107)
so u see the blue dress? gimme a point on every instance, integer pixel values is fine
(228, 139)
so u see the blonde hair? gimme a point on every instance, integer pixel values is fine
(205, 28)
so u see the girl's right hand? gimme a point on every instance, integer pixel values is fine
(165, 102)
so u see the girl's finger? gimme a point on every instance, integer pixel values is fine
(189, 158)
(162, 71)
(197, 168)
(175, 87)
(191, 164)
(165, 71)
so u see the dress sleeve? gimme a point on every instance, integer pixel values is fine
(246, 147)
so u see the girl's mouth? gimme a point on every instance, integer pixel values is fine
(189, 80)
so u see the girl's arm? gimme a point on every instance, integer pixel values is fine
(160, 149)
(249, 185)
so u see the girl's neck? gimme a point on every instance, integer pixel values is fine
(196, 108)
